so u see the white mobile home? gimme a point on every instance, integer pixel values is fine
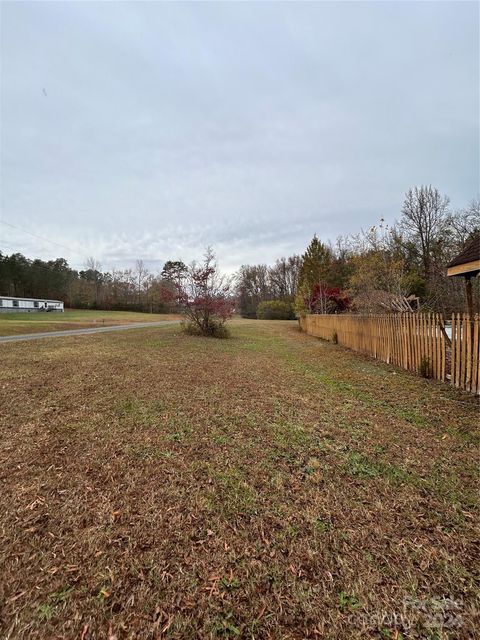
(11, 304)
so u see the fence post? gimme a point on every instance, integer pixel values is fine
(475, 359)
(406, 339)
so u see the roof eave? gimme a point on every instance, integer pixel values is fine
(471, 268)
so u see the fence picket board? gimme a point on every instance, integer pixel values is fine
(405, 339)
(438, 343)
(429, 343)
(453, 351)
(416, 322)
(413, 323)
(421, 336)
(458, 349)
(443, 353)
(469, 354)
(475, 359)
(431, 346)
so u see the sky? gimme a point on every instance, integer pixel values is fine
(148, 130)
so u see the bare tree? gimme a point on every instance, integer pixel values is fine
(141, 275)
(93, 271)
(252, 288)
(424, 219)
(464, 223)
(283, 277)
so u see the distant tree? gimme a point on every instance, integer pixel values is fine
(252, 287)
(283, 277)
(93, 275)
(463, 224)
(37, 278)
(15, 270)
(174, 271)
(204, 297)
(341, 268)
(162, 295)
(424, 217)
(316, 269)
(141, 275)
(379, 269)
(434, 235)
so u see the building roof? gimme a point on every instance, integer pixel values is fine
(35, 299)
(468, 260)
(470, 253)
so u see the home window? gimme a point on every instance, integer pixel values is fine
(35, 304)
(15, 303)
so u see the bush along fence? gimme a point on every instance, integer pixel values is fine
(416, 342)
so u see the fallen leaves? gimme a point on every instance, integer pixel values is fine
(176, 494)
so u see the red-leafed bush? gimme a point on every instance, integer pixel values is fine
(328, 300)
(204, 298)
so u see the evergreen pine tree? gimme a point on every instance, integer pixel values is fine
(316, 269)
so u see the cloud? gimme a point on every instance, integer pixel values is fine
(169, 127)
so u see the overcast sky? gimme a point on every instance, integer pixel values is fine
(150, 130)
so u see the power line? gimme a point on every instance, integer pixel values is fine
(50, 269)
(34, 235)
(9, 224)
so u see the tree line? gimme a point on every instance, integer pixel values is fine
(373, 270)
(134, 289)
(363, 272)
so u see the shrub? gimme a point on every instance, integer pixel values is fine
(203, 296)
(275, 310)
(215, 329)
(424, 368)
(328, 300)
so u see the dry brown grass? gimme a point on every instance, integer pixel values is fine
(156, 485)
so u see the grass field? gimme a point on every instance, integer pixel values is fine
(18, 323)
(270, 486)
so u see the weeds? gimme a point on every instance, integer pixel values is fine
(322, 526)
(347, 602)
(48, 609)
(233, 497)
(362, 466)
(267, 485)
(424, 367)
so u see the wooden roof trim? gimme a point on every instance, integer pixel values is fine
(472, 267)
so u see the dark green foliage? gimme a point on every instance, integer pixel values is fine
(215, 329)
(316, 269)
(424, 368)
(128, 290)
(174, 271)
(22, 277)
(275, 310)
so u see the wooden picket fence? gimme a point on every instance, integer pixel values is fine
(416, 342)
(465, 353)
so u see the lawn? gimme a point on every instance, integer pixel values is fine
(18, 323)
(157, 485)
